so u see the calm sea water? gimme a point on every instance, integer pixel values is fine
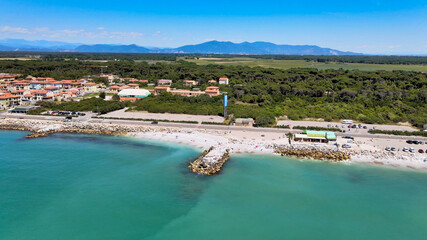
(92, 187)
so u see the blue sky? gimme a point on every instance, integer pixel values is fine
(368, 26)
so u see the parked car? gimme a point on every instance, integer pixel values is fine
(412, 150)
(420, 151)
(393, 149)
(388, 148)
(154, 122)
(409, 141)
(405, 149)
(349, 137)
(346, 146)
(365, 127)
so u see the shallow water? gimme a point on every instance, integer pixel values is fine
(96, 187)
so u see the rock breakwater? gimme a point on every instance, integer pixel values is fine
(329, 155)
(210, 161)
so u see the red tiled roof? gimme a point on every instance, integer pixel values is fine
(51, 88)
(161, 88)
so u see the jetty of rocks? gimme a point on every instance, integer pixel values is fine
(329, 155)
(82, 131)
(210, 161)
(45, 128)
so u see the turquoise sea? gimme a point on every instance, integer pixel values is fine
(70, 186)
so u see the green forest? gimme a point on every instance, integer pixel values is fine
(264, 93)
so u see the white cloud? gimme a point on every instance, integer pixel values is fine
(50, 33)
(41, 30)
(66, 33)
(123, 35)
(15, 30)
(394, 46)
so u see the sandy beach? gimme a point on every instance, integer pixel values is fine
(364, 150)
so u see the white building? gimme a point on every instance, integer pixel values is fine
(223, 80)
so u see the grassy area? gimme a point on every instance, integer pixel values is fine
(287, 64)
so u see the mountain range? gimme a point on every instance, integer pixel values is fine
(213, 47)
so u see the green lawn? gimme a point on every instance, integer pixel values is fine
(286, 64)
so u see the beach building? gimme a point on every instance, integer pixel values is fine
(158, 90)
(52, 89)
(164, 82)
(133, 94)
(133, 86)
(90, 87)
(9, 100)
(23, 109)
(21, 85)
(223, 80)
(190, 83)
(247, 122)
(186, 93)
(315, 136)
(212, 91)
(114, 89)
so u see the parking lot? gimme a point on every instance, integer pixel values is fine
(339, 125)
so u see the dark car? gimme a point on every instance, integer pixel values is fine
(365, 127)
(349, 137)
(420, 151)
(409, 141)
(154, 122)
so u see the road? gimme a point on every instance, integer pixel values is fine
(88, 118)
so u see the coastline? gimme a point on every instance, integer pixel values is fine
(239, 142)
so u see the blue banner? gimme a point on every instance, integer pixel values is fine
(225, 100)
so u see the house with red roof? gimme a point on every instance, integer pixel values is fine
(223, 80)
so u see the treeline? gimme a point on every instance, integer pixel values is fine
(406, 60)
(61, 56)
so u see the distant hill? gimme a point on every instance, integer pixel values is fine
(41, 45)
(215, 47)
(259, 48)
(104, 48)
(6, 48)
